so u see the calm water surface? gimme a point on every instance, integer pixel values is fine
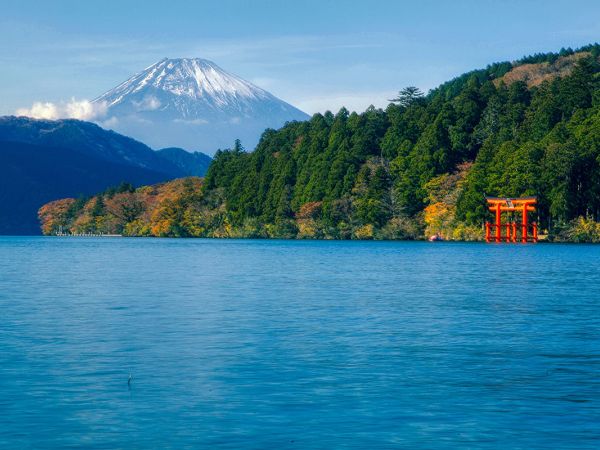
(279, 344)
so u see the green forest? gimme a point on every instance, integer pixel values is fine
(421, 166)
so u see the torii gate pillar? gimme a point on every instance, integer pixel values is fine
(522, 205)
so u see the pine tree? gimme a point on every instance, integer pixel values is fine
(408, 96)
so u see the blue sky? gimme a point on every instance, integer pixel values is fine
(315, 54)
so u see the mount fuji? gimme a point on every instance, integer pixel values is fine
(194, 104)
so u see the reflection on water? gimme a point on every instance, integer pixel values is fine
(279, 344)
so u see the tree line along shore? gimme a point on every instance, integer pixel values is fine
(420, 167)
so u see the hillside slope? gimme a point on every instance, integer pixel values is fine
(31, 175)
(84, 137)
(43, 159)
(420, 167)
(191, 163)
(534, 74)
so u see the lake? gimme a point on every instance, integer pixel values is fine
(297, 344)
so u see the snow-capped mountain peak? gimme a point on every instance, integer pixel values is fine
(194, 78)
(195, 104)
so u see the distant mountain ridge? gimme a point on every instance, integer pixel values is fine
(191, 163)
(194, 104)
(85, 137)
(43, 159)
(31, 175)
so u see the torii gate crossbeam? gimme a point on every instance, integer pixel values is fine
(523, 205)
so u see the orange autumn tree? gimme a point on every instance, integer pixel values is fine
(55, 215)
(174, 208)
(440, 214)
(307, 220)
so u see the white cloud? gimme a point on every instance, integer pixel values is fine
(109, 123)
(85, 110)
(40, 110)
(148, 103)
(75, 109)
(191, 122)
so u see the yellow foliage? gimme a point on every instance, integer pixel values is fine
(364, 232)
(443, 192)
(439, 218)
(161, 227)
(462, 232)
(137, 228)
(307, 228)
(581, 229)
(225, 230)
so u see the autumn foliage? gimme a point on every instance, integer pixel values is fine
(55, 215)
(175, 208)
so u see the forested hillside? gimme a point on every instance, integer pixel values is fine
(41, 160)
(424, 164)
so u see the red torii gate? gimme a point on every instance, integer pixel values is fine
(523, 205)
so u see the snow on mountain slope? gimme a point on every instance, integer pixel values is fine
(194, 104)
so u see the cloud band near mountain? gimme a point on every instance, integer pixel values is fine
(75, 109)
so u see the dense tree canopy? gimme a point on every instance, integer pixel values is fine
(523, 141)
(424, 160)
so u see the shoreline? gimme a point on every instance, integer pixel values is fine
(543, 240)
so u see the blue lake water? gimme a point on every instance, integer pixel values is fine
(289, 344)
